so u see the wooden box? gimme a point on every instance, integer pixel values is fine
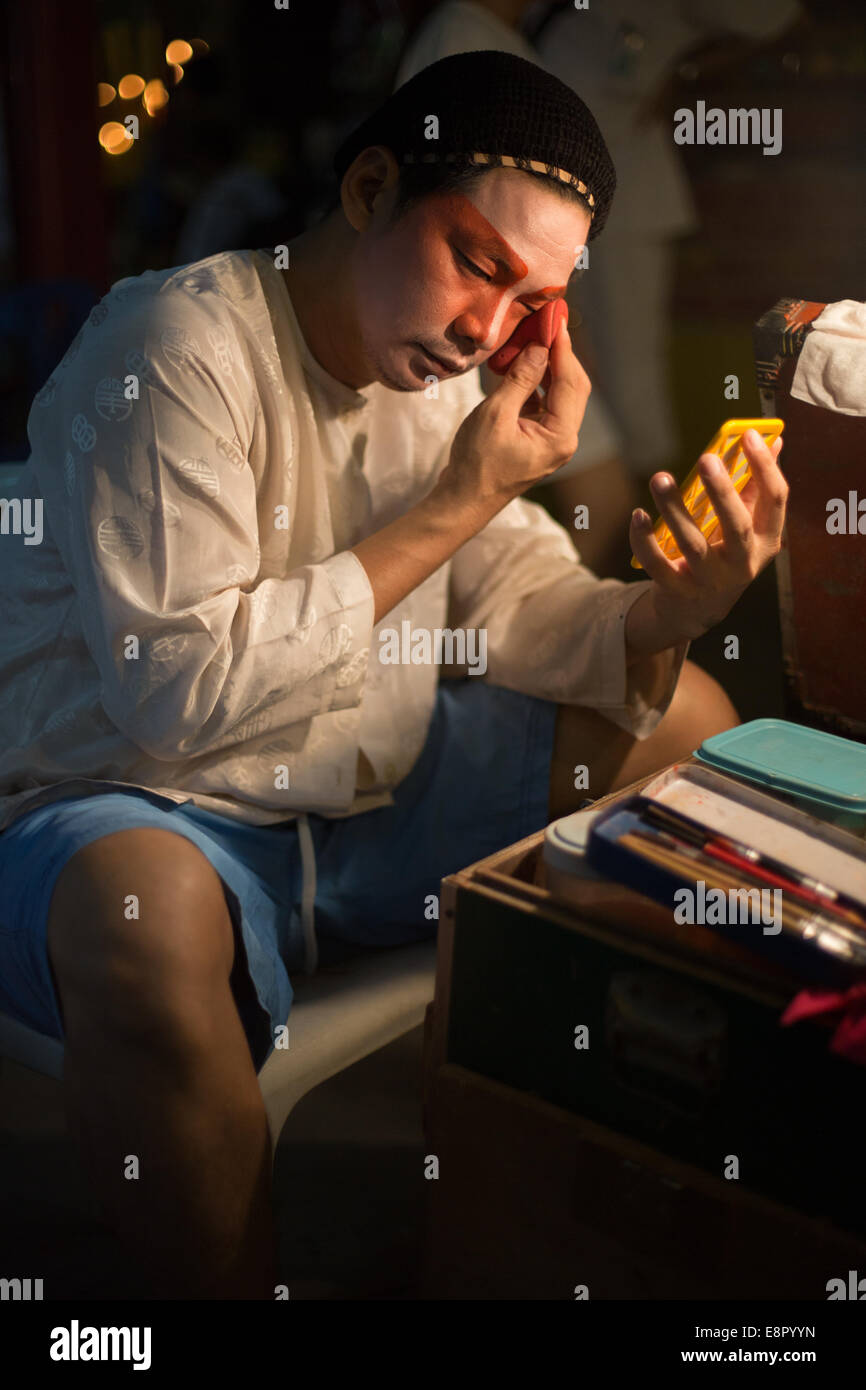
(686, 1069)
(532, 1202)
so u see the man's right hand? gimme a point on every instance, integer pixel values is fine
(509, 442)
(514, 440)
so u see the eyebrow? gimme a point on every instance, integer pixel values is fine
(515, 267)
(491, 243)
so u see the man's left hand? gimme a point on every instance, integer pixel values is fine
(694, 592)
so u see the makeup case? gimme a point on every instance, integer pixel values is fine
(820, 772)
(798, 843)
(685, 1050)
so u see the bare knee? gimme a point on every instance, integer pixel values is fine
(138, 917)
(698, 709)
(700, 706)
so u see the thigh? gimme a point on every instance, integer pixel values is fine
(481, 783)
(614, 758)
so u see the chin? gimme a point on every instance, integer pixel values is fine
(398, 384)
(397, 375)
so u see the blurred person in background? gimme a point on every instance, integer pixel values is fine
(239, 206)
(621, 57)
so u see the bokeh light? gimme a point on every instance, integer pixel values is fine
(115, 138)
(178, 51)
(155, 96)
(130, 86)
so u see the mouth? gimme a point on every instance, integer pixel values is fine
(443, 362)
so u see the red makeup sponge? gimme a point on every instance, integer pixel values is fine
(540, 327)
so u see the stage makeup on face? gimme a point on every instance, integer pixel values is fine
(451, 280)
(505, 249)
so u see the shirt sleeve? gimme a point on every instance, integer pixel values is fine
(152, 505)
(554, 629)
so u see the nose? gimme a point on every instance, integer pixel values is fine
(470, 329)
(482, 324)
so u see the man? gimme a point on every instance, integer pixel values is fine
(198, 690)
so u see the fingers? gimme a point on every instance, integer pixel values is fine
(533, 407)
(758, 510)
(767, 491)
(734, 516)
(687, 534)
(646, 548)
(558, 416)
(750, 492)
(522, 377)
(569, 386)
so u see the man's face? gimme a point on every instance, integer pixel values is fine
(457, 273)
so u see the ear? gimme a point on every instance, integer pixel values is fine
(369, 185)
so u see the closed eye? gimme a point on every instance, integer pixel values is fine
(482, 275)
(476, 270)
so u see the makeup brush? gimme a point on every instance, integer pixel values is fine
(827, 933)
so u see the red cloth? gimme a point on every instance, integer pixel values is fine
(849, 1039)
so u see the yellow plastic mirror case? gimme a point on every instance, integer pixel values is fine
(727, 443)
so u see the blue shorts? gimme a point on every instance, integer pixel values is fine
(481, 783)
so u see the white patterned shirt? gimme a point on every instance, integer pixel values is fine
(193, 621)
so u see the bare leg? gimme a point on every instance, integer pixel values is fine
(614, 758)
(158, 1066)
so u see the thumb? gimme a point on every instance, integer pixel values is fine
(524, 374)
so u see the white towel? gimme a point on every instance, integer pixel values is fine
(831, 371)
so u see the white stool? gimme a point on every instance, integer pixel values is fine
(338, 1016)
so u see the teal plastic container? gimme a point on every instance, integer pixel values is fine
(822, 773)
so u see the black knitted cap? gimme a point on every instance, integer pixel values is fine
(499, 106)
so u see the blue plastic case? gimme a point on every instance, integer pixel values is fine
(823, 773)
(608, 857)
